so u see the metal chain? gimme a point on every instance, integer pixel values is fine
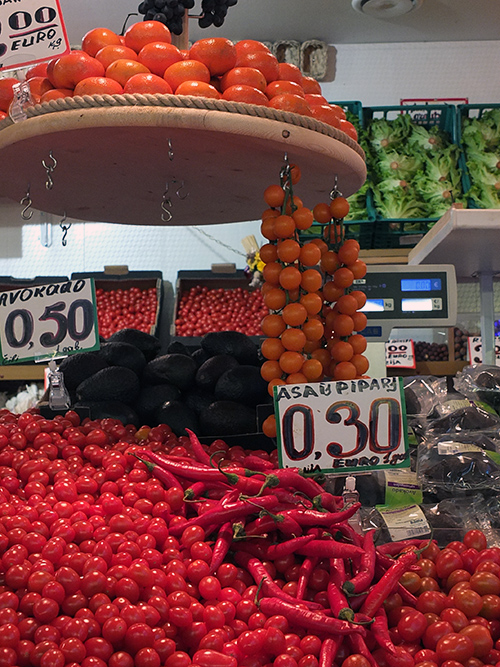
(221, 243)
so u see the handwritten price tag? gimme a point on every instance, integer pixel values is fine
(475, 348)
(339, 427)
(31, 31)
(400, 354)
(48, 321)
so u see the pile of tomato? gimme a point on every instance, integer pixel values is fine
(202, 309)
(145, 61)
(104, 564)
(129, 308)
(313, 331)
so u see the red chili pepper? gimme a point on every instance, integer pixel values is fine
(349, 533)
(262, 578)
(364, 576)
(326, 501)
(381, 566)
(165, 476)
(337, 600)
(395, 548)
(387, 583)
(290, 477)
(197, 448)
(314, 518)
(253, 462)
(290, 498)
(220, 514)
(329, 650)
(195, 491)
(329, 548)
(305, 618)
(283, 549)
(194, 472)
(221, 546)
(305, 571)
(380, 631)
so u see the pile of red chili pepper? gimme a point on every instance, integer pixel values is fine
(125, 547)
(272, 521)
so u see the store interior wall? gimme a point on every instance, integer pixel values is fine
(375, 74)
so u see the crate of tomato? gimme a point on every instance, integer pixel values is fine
(209, 301)
(126, 299)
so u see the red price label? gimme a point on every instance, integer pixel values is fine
(31, 31)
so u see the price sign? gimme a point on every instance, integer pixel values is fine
(400, 354)
(475, 349)
(31, 31)
(340, 427)
(48, 321)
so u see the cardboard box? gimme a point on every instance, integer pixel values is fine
(119, 277)
(186, 280)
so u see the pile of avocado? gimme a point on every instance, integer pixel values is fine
(213, 390)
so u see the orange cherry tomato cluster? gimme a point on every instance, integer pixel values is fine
(312, 330)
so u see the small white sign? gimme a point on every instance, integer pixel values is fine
(404, 523)
(475, 350)
(400, 354)
(48, 321)
(345, 426)
(31, 31)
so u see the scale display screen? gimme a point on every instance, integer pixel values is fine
(420, 284)
(416, 305)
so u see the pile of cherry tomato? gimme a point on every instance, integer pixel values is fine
(104, 564)
(202, 310)
(131, 308)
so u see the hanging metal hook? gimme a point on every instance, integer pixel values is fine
(166, 204)
(64, 228)
(26, 213)
(335, 191)
(170, 150)
(181, 187)
(285, 172)
(49, 168)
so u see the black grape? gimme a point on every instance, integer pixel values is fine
(171, 12)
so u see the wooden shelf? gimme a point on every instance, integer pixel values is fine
(113, 161)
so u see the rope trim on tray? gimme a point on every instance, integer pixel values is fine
(187, 102)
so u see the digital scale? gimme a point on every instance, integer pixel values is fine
(401, 296)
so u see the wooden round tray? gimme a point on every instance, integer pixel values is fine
(113, 162)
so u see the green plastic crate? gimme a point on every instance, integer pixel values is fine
(393, 232)
(469, 111)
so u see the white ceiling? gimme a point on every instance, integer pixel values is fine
(332, 21)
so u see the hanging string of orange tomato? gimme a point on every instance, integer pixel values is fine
(312, 331)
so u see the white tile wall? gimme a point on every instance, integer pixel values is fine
(375, 74)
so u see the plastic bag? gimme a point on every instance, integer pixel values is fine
(447, 520)
(460, 462)
(420, 396)
(480, 383)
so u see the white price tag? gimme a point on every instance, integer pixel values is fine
(48, 321)
(31, 31)
(404, 523)
(475, 350)
(339, 427)
(400, 354)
